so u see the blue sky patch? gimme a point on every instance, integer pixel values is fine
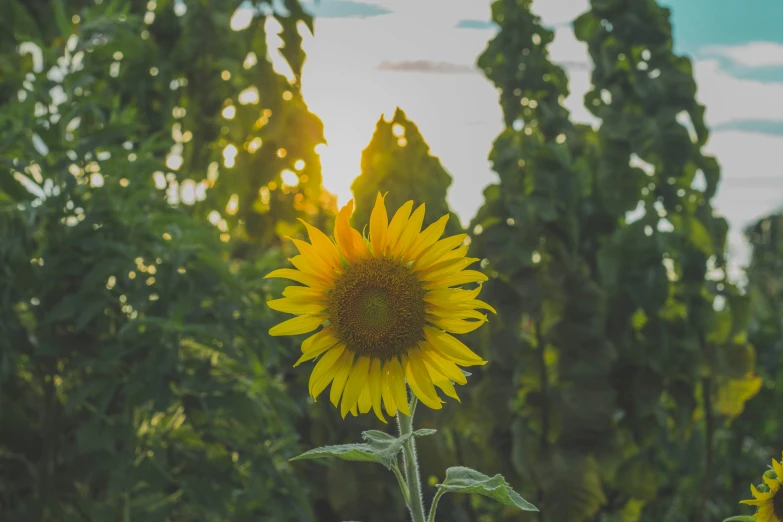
(774, 127)
(475, 24)
(343, 9)
(727, 22)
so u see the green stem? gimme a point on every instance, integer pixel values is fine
(403, 485)
(411, 464)
(434, 507)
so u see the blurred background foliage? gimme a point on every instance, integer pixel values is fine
(152, 161)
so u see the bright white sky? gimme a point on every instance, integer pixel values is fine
(459, 115)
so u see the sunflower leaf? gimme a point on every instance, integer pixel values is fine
(466, 480)
(387, 447)
(740, 519)
(355, 452)
(379, 447)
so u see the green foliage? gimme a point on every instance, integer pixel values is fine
(694, 337)
(379, 447)
(136, 376)
(466, 480)
(149, 166)
(538, 232)
(620, 333)
(398, 161)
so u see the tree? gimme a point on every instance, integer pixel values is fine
(136, 374)
(753, 439)
(537, 233)
(685, 366)
(398, 161)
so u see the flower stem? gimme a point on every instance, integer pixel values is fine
(434, 506)
(403, 485)
(411, 464)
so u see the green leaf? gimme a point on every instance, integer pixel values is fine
(380, 447)
(587, 27)
(355, 452)
(466, 480)
(61, 18)
(743, 518)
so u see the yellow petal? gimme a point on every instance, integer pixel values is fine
(451, 296)
(441, 269)
(419, 381)
(303, 292)
(427, 238)
(324, 370)
(481, 305)
(379, 225)
(297, 325)
(434, 253)
(758, 494)
(315, 345)
(397, 225)
(465, 313)
(354, 410)
(314, 267)
(444, 366)
(778, 469)
(318, 342)
(766, 513)
(457, 253)
(451, 348)
(386, 392)
(324, 246)
(320, 267)
(348, 239)
(397, 385)
(355, 384)
(298, 305)
(376, 389)
(457, 326)
(365, 403)
(410, 232)
(460, 278)
(341, 377)
(299, 277)
(772, 484)
(441, 381)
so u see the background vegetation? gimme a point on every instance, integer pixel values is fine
(151, 160)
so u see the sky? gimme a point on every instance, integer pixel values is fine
(368, 57)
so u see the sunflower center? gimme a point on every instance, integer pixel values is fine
(777, 504)
(377, 310)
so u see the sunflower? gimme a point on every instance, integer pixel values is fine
(769, 503)
(386, 306)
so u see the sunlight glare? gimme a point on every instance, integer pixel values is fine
(289, 178)
(249, 96)
(242, 18)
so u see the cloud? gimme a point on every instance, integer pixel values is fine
(427, 66)
(344, 9)
(735, 99)
(750, 54)
(476, 24)
(560, 12)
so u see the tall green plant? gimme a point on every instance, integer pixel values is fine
(753, 439)
(537, 233)
(398, 161)
(685, 366)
